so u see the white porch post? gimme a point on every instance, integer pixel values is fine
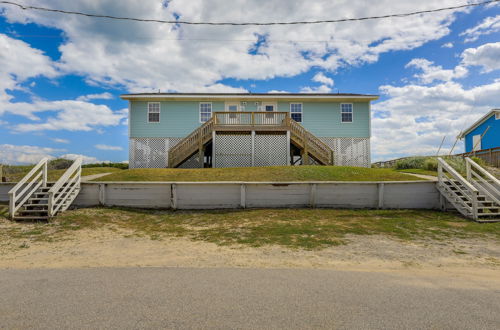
(253, 148)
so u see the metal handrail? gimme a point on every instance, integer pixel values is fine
(30, 187)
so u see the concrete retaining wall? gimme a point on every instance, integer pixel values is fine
(227, 195)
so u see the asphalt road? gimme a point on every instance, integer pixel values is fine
(184, 298)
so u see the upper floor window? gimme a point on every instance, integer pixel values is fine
(205, 112)
(497, 115)
(154, 112)
(296, 111)
(346, 112)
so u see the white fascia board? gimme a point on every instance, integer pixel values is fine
(477, 123)
(245, 97)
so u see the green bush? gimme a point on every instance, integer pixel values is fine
(411, 162)
(59, 164)
(430, 164)
(122, 166)
(479, 161)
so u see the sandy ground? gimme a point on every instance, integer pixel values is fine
(106, 248)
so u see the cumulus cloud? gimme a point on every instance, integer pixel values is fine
(431, 72)
(321, 78)
(107, 147)
(20, 62)
(101, 96)
(85, 159)
(316, 89)
(57, 140)
(447, 45)
(414, 118)
(24, 154)
(487, 56)
(145, 57)
(70, 115)
(488, 26)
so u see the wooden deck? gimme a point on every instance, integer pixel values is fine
(248, 122)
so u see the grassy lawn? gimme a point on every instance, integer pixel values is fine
(293, 228)
(53, 175)
(270, 173)
(419, 171)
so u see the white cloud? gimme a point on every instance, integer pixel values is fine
(57, 140)
(107, 147)
(318, 89)
(145, 56)
(20, 62)
(486, 56)
(447, 45)
(274, 91)
(70, 115)
(321, 78)
(414, 118)
(431, 72)
(488, 26)
(24, 154)
(85, 159)
(101, 96)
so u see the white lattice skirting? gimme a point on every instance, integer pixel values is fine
(150, 152)
(235, 150)
(349, 151)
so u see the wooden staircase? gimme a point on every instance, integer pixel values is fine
(311, 146)
(33, 198)
(476, 197)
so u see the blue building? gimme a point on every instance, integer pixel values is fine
(484, 133)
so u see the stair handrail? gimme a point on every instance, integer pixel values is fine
(38, 180)
(320, 146)
(494, 185)
(471, 193)
(192, 140)
(61, 191)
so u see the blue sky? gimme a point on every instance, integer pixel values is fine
(61, 76)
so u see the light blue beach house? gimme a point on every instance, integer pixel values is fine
(244, 129)
(484, 133)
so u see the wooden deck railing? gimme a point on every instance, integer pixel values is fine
(190, 143)
(248, 120)
(310, 144)
(251, 121)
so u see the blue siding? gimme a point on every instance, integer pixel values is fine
(179, 118)
(490, 140)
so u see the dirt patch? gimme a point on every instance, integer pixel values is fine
(119, 248)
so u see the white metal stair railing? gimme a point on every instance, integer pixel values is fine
(27, 186)
(487, 185)
(65, 190)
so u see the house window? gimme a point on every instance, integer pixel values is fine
(346, 112)
(153, 112)
(205, 112)
(497, 115)
(296, 111)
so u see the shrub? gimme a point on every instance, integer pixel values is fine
(59, 164)
(412, 162)
(122, 166)
(430, 164)
(479, 161)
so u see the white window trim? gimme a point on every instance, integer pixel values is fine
(347, 122)
(199, 111)
(159, 113)
(263, 106)
(301, 107)
(497, 115)
(227, 104)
